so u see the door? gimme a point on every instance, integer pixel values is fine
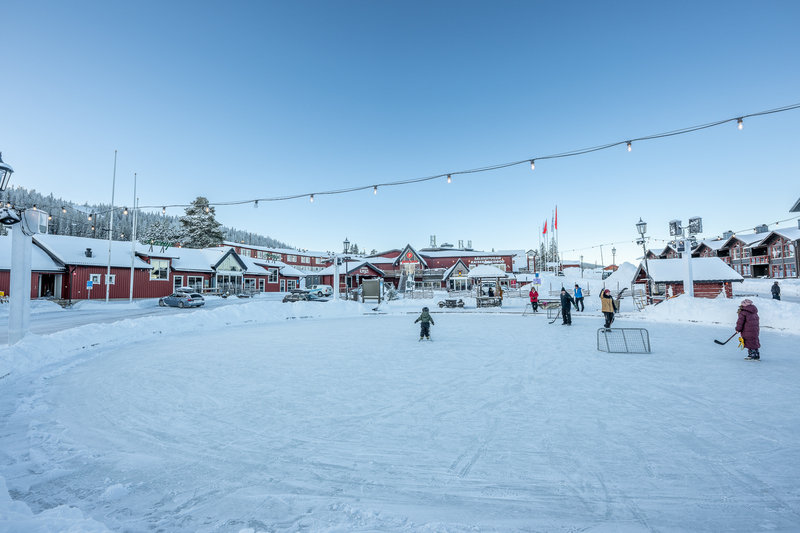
(261, 285)
(283, 285)
(177, 282)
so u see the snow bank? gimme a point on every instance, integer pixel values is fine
(784, 316)
(16, 516)
(623, 275)
(789, 287)
(35, 351)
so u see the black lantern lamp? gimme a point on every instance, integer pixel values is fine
(5, 173)
(641, 227)
(346, 245)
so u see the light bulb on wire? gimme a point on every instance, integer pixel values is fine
(533, 166)
(312, 198)
(630, 146)
(375, 190)
(125, 212)
(164, 210)
(255, 205)
(448, 178)
(741, 123)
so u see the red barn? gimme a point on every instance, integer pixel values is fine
(710, 274)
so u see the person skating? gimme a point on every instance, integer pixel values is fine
(776, 291)
(609, 307)
(425, 327)
(579, 299)
(748, 328)
(534, 294)
(566, 307)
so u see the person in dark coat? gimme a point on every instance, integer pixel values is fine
(425, 327)
(534, 294)
(747, 327)
(579, 299)
(566, 307)
(776, 291)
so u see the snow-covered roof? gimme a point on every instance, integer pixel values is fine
(410, 248)
(749, 239)
(486, 271)
(194, 260)
(714, 244)
(346, 267)
(796, 207)
(463, 253)
(704, 269)
(449, 271)
(40, 261)
(290, 251)
(519, 258)
(157, 252)
(292, 272)
(793, 234)
(72, 251)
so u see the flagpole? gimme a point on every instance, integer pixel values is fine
(555, 226)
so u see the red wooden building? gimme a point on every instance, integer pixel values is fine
(710, 274)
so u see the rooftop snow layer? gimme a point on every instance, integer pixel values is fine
(72, 251)
(40, 261)
(703, 269)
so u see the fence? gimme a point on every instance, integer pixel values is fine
(419, 294)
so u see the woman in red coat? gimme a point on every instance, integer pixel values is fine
(747, 326)
(534, 299)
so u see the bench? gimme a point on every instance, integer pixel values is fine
(451, 303)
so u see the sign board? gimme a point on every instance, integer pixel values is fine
(363, 270)
(89, 284)
(537, 281)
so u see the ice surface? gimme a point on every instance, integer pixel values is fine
(253, 418)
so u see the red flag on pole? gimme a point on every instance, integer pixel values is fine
(545, 228)
(555, 224)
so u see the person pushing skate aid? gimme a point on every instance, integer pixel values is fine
(425, 320)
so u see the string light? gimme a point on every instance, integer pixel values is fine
(255, 205)
(630, 147)
(90, 216)
(375, 190)
(49, 217)
(63, 209)
(125, 212)
(741, 123)
(164, 210)
(34, 207)
(312, 197)
(532, 165)
(207, 209)
(448, 178)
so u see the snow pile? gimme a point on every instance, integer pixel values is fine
(35, 351)
(784, 316)
(623, 275)
(37, 306)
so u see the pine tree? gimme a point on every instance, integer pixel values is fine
(161, 231)
(200, 228)
(354, 249)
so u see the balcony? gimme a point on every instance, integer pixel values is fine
(759, 260)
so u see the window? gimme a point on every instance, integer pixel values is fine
(273, 275)
(230, 264)
(245, 252)
(111, 278)
(789, 250)
(177, 282)
(291, 284)
(320, 261)
(95, 279)
(261, 285)
(291, 259)
(283, 285)
(195, 282)
(305, 259)
(160, 269)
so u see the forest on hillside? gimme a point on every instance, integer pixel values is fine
(68, 218)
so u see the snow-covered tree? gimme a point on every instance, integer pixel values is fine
(199, 227)
(160, 231)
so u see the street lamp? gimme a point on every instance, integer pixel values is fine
(641, 227)
(5, 173)
(346, 245)
(614, 258)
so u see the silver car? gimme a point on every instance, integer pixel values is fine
(182, 299)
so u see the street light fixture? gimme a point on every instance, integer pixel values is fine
(346, 245)
(641, 227)
(5, 173)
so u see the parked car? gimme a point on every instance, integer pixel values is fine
(182, 299)
(320, 290)
(298, 295)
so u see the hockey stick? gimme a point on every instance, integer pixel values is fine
(558, 313)
(726, 342)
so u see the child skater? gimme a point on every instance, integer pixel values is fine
(425, 326)
(748, 329)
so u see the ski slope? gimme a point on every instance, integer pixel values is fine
(249, 418)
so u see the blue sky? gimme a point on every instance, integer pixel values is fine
(244, 100)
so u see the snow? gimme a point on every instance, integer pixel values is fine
(72, 251)
(486, 271)
(703, 269)
(327, 416)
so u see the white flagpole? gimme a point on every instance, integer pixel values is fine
(111, 226)
(133, 237)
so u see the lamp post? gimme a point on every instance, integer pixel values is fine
(27, 224)
(685, 236)
(614, 258)
(641, 227)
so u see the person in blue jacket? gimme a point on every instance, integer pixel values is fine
(579, 299)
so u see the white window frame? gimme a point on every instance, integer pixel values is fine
(261, 284)
(175, 284)
(96, 279)
(192, 281)
(283, 285)
(154, 262)
(273, 275)
(111, 279)
(291, 259)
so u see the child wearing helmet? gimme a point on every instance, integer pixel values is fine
(425, 327)
(609, 307)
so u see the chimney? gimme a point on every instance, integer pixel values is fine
(762, 228)
(88, 252)
(727, 235)
(798, 223)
